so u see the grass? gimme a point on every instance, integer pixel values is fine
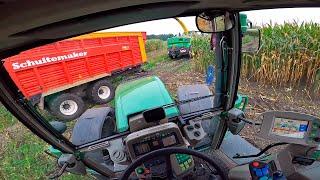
(24, 159)
(155, 59)
(6, 118)
(184, 67)
(22, 153)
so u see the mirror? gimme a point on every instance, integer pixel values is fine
(251, 41)
(213, 22)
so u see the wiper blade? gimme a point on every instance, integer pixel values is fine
(187, 101)
(197, 115)
(200, 115)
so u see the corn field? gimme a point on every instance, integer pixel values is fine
(154, 44)
(202, 55)
(289, 56)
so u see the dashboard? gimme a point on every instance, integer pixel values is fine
(165, 135)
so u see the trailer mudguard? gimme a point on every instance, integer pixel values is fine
(90, 125)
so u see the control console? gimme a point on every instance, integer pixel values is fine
(296, 160)
(262, 170)
(157, 137)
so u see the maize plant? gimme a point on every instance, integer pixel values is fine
(290, 56)
(202, 55)
(154, 45)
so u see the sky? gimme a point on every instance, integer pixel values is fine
(258, 17)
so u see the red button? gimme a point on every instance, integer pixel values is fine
(255, 164)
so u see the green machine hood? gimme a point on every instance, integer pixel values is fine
(139, 95)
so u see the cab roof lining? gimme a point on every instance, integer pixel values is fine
(32, 23)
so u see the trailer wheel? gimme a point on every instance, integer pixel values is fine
(101, 92)
(67, 106)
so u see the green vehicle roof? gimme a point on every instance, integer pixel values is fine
(243, 22)
(139, 95)
(179, 42)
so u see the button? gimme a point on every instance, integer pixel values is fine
(254, 169)
(259, 173)
(140, 170)
(183, 168)
(190, 128)
(197, 125)
(263, 178)
(255, 164)
(265, 171)
(189, 161)
(197, 133)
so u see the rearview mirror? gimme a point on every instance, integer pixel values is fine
(251, 41)
(216, 21)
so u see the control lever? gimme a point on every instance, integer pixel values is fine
(237, 120)
(68, 162)
(60, 172)
(235, 124)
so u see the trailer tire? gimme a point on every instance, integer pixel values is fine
(66, 106)
(101, 92)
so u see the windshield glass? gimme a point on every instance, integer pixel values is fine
(105, 84)
(119, 71)
(106, 79)
(284, 74)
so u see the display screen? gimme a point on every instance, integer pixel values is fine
(169, 141)
(143, 148)
(155, 142)
(289, 127)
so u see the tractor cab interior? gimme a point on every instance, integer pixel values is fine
(150, 135)
(193, 137)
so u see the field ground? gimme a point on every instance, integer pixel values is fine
(22, 156)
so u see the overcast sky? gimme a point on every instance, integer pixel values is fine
(258, 17)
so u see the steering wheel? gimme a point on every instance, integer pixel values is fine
(167, 152)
